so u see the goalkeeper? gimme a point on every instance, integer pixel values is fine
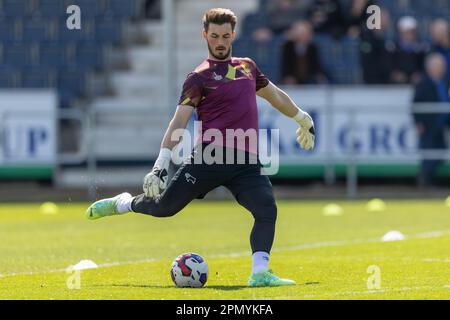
(222, 90)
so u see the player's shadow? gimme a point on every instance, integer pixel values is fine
(130, 285)
(223, 288)
(226, 288)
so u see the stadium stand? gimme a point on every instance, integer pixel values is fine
(38, 50)
(341, 57)
(34, 39)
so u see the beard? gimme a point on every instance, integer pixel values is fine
(224, 56)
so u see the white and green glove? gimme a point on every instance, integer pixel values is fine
(155, 182)
(305, 133)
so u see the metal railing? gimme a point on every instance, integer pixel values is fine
(87, 152)
(416, 153)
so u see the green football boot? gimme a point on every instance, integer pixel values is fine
(267, 279)
(105, 207)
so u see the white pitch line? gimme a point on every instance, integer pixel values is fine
(435, 260)
(305, 246)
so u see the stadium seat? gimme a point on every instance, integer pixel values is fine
(123, 9)
(20, 55)
(7, 33)
(242, 47)
(108, 31)
(266, 55)
(86, 33)
(16, 8)
(328, 53)
(253, 21)
(340, 58)
(51, 8)
(11, 30)
(35, 30)
(37, 78)
(71, 84)
(89, 56)
(9, 77)
(263, 4)
(53, 56)
(89, 9)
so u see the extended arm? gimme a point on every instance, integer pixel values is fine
(283, 103)
(156, 180)
(179, 121)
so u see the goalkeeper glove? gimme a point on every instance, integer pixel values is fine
(305, 133)
(155, 182)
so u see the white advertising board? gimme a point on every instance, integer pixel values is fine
(27, 127)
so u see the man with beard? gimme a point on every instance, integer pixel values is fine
(222, 90)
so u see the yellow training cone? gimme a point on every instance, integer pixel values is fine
(48, 208)
(332, 209)
(376, 205)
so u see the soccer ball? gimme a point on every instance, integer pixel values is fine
(189, 270)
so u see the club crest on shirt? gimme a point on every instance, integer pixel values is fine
(245, 68)
(217, 77)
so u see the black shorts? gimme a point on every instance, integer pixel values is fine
(195, 178)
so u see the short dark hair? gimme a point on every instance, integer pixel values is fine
(219, 16)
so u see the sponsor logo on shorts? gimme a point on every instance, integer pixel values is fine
(190, 178)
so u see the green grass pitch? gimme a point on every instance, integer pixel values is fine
(328, 256)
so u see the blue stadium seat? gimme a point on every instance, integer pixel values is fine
(11, 30)
(7, 33)
(253, 21)
(340, 58)
(328, 53)
(9, 77)
(19, 55)
(53, 55)
(263, 5)
(266, 55)
(74, 80)
(37, 78)
(89, 9)
(123, 9)
(108, 31)
(71, 84)
(35, 30)
(89, 56)
(242, 47)
(86, 33)
(16, 8)
(51, 8)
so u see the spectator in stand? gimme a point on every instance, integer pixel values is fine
(327, 17)
(433, 88)
(408, 54)
(281, 14)
(153, 9)
(440, 37)
(357, 17)
(300, 58)
(375, 52)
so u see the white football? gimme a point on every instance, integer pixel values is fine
(189, 270)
